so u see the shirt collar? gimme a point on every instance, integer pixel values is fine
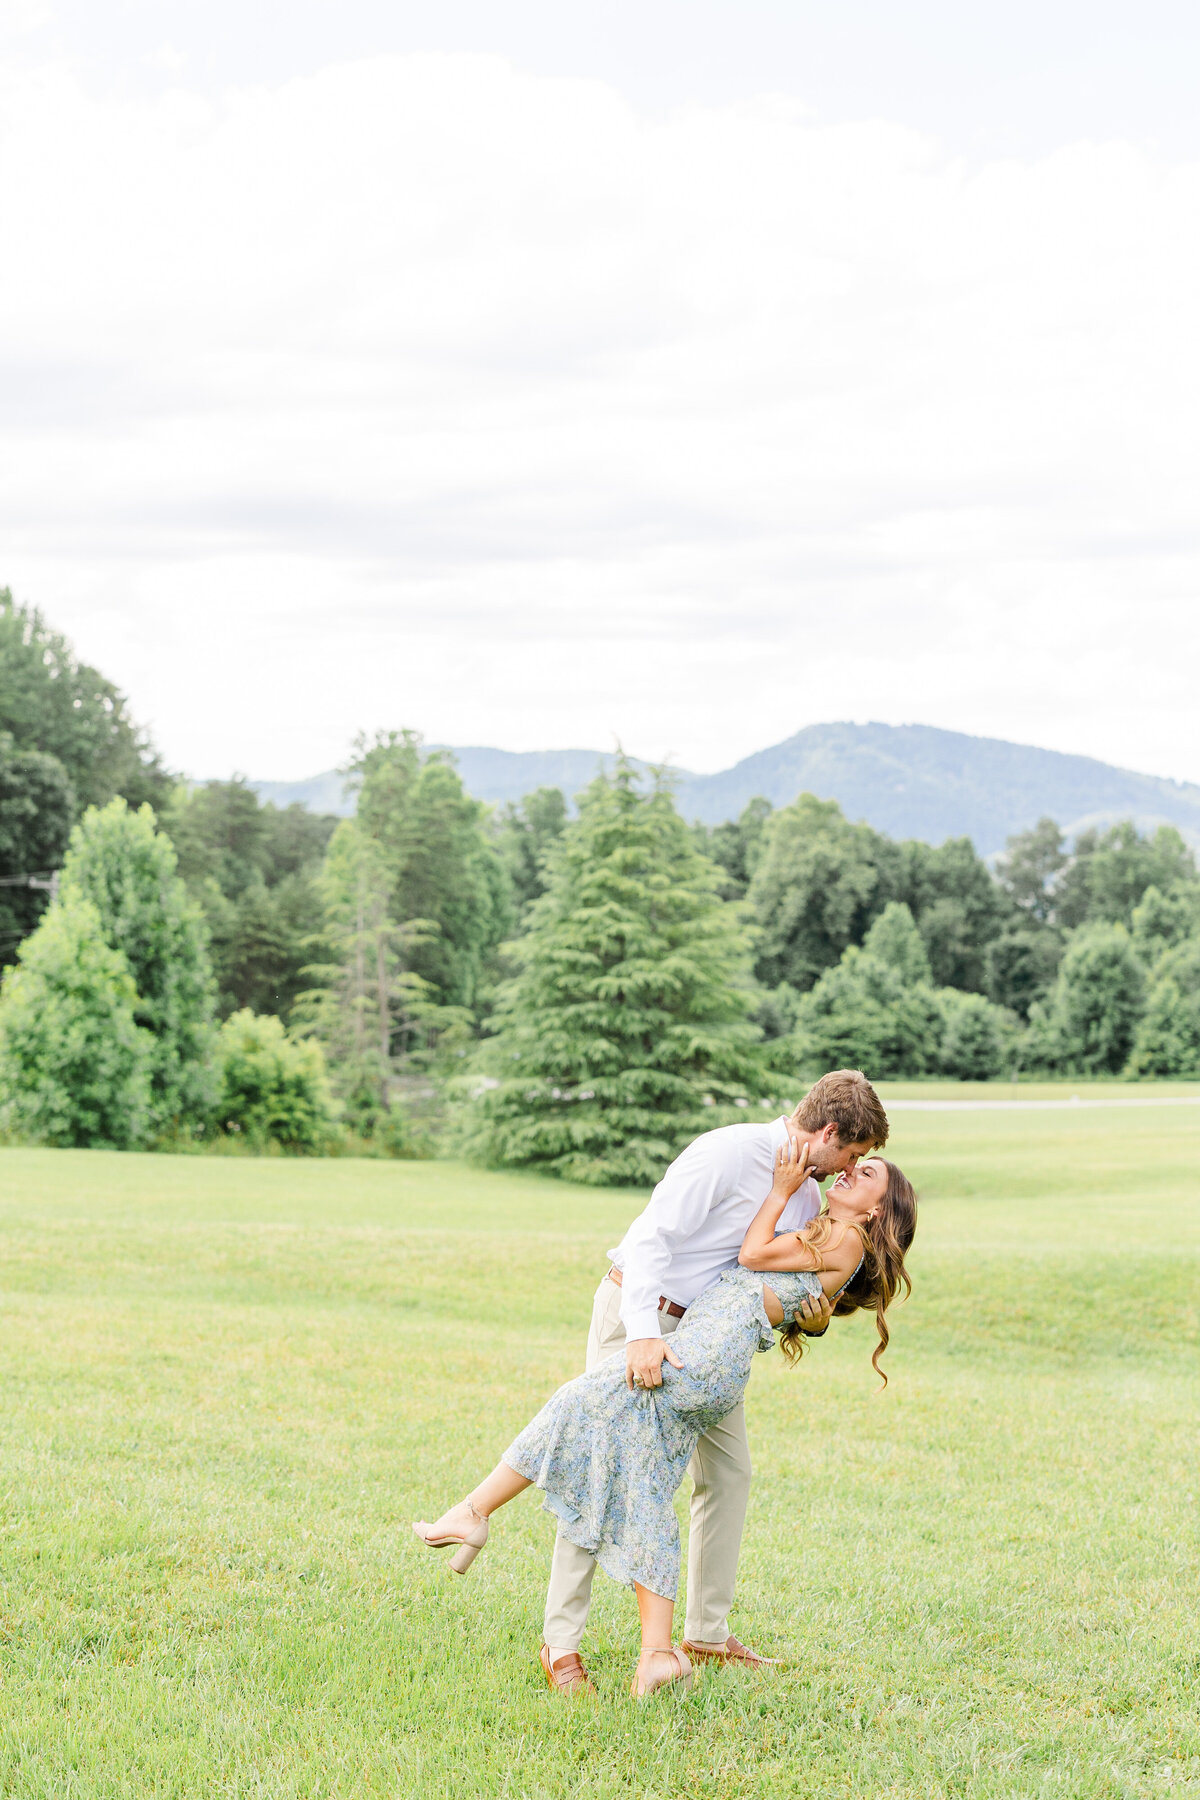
(779, 1132)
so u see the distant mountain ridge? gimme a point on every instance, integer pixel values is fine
(907, 780)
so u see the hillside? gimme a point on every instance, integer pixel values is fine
(907, 780)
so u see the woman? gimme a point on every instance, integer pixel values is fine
(610, 1458)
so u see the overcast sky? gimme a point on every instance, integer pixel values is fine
(542, 374)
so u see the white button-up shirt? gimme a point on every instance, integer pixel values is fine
(697, 1217)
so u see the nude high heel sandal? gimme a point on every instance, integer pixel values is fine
(470, 1542)
(682, 1679)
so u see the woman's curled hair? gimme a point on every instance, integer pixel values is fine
(886, 1238)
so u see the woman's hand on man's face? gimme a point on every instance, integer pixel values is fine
(791, 1166)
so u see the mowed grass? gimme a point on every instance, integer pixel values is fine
(229, 1385)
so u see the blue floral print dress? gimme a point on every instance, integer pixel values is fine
(611, 1460)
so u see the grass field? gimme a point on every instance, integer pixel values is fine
(228, 1386)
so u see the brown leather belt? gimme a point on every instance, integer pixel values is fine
(670, 1307)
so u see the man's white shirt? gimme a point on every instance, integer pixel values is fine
(693, 1227)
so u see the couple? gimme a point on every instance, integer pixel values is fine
(733, 1246)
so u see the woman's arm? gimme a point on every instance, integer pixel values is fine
(761, 1249)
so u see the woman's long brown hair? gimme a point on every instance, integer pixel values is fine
(874, 1285)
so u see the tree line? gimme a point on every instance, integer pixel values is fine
(579, 993)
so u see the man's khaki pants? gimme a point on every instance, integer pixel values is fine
(720, 1472)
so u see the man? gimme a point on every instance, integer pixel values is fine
(689, 1233)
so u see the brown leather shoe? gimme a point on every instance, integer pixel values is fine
(730, 1652)
(567, 1674)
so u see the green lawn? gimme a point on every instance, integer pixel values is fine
(230, 1384)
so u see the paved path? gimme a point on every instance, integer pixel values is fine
(1074, 1104)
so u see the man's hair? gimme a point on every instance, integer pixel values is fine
(845, 1098)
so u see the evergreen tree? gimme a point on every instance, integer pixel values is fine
(74, 1063)
(126, 868)
(378, 1018)
(441, 866)
(629, 1017)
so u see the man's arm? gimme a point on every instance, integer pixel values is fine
(705, 1172)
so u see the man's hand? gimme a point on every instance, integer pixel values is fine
(644, 1361)
(814, 1313)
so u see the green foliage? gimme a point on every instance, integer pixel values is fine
(74, 1063)
(629, 1016)
(441, 867)
(273, 1089)
(814, 891)
(1168, 1033)
(894, 939)
(1088, 1022)
(127, 869)
(378, 1018)
(975, 1041)
(862, 1015)
(37, 809)
(819, 882)
(957, 904)
(1109, 872)
(1163, 920)
(1031, 868)
(1020, 966)
(54, 704)
(736, 846)
(253, 870)
(524, 835)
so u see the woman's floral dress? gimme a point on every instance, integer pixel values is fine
(610, 1460)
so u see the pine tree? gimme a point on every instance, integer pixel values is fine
(441, 865)
(127, 869)
(627, 1023)
(377, 1017)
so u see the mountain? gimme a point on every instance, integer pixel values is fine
(907, 780)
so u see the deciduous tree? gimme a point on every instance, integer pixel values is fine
(126, 868)
(74, 1063)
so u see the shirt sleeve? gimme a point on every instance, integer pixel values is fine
(705, 1172)
(801, 1209)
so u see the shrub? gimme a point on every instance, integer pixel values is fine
(74, 1063)
(273, 1088)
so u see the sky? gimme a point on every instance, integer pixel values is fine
(557, 374)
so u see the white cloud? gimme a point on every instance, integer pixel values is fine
(422, 390)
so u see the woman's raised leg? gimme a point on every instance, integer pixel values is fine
(467, 1523)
